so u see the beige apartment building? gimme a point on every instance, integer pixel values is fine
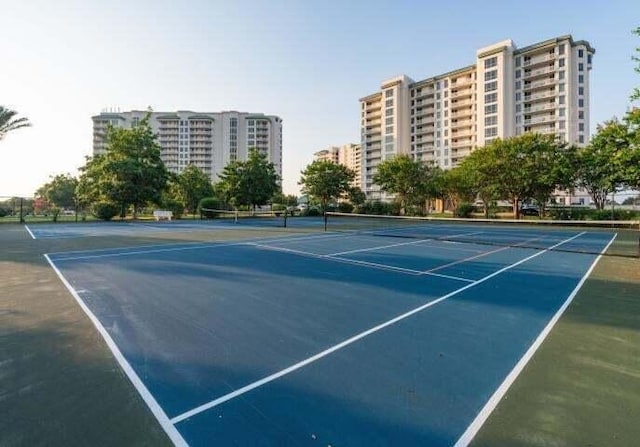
(208, 140)
(508, 91)
(349, 155)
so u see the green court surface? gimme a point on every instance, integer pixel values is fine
(60, 384)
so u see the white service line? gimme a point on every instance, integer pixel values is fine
(326, 352)
(151, 402)
(29, 231)
(380, 247)
(497, 396)
(470, 258)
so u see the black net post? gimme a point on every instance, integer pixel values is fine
(21, 211)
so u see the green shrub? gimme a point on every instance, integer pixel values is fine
(278, 207)
(3, 212)
(345, 207)
(312, 212)
(380, 208)
(617, 214)
(105, 210)
(175, 206)
(464, 210)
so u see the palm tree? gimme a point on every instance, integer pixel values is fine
(9, 123)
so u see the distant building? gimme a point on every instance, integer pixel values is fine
(349, 155)
(207, 140)
(541, 88)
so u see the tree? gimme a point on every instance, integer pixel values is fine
(8, 122)
(131, 171)
(325, 181)
(60, 191)
(635, 96)
(461, 184)
(602, 162)
(356, 196)
(192, 185)
(252, 182)
(480, 170)
(405, 178)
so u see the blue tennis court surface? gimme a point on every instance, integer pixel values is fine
(332, 339)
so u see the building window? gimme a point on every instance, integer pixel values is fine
(493, 74)
(561, 87)
(518, 108)
(561, 75)
(518, 73)
(518, 61)
(492, 108)
(561, 49)
(580, 79)
(388, 121)
(389, 129)
(491, 86)
(580, 102)
(561, 112)
(580, 66)
(580, 53)
(388, 94)
(518, 85)
(589, 59)
(561, 62)
(388, 139)
(518, 96)
(491, 120)
(561, 124)
(581, 127)
(389, 103)
(490, 63)
(446, 83)
(561, 99)
(581, 138)
(580, 114)
(491, 97)
(490, 132)
(388, 112)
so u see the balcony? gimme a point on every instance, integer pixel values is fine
(468, 112)
(539, 84)
(462, 133)
(373, 114)
(425, 139)
(463, 93)
(462, 144)
(425, 93)
(551, 93)
(461, 82)
(540, 120)
(425, 129)
(461, 103)
(544, 107)
(537, 60)
(532, 74)
(425, 102)
(460, 123)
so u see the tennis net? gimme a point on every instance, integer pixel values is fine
(571, 236)
(253, 218)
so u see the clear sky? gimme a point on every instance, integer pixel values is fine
(307, 61)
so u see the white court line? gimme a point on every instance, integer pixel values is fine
(326, 352)
(29, 231)
(486, 253)
(497, 396)
(194, 245)
(153, 405)
(358, 262)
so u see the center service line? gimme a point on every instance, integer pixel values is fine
(326, 352)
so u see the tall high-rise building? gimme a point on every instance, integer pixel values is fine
(349, 155)
(208, 140)
(542, 88)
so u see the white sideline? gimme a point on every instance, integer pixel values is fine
(153, 405)
(497, 396)
(29, 231)
(326, 352)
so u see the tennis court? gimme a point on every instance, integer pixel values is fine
(355, 338)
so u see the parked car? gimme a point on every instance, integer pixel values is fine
(530, 210)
